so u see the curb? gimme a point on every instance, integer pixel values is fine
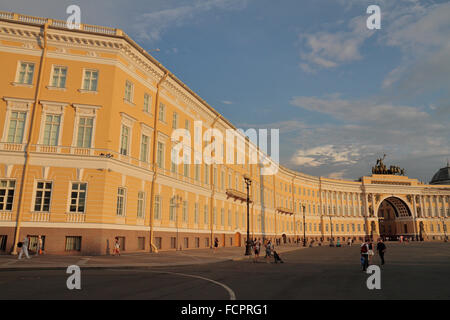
(130, 267)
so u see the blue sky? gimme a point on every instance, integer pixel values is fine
(341, 95)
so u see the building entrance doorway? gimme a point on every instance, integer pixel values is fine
(395, 219)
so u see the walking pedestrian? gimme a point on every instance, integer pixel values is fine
(276, 257)
(116, 250)
(370, 253)
(269, 248)
(381, 248)
(365, 255)
(24, 248)
(257, 249)
(39, 246)
(216, 244)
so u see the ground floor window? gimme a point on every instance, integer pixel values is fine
(73, 243)
(197, 242)
(141, 243)
(186, 243)
(173, 243)
(3, 239)
(158, 243)
(34, 241)
(207, 242)
(121, 243)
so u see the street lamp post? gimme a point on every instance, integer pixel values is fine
(248, 249)
(176, 204)
(304, 226)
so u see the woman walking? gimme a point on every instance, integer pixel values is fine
(116, 250)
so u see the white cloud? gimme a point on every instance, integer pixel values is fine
(326, 155)
(227, 102)
(152, 25)
(331, 49)
(360, 110)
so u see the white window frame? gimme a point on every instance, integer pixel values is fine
(127, 121)
(124, 208)
(86, 111)
(164, 109)
(129, 99)
(161, 138)
(157, 208)
(143, 205)
(148, 132)
(50, 84)
(35, 189)
(83, 89)
(16, 79)
(16, 105)
(70, 197)
(149, 103)
(52, 108)
(5, 198)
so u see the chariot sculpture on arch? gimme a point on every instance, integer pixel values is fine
(381, 168)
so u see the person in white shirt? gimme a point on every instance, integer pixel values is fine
(24, 248)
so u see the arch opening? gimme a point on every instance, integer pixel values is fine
(395, 219)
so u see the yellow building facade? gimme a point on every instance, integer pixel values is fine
(87, 117)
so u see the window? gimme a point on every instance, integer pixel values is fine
(85, 127)
(121, 194)
(173, 242)
(3, 241)
(196, 213)
(175, 120)
(222, 217)
(90, 80)
(185, 211)
(173, 165)
(157, 209)
(43, 195)
(162, 112)
(25, 74)
(129, 91)
(186, 242)
(186, 165)
(124, 140)
(141, 205)
(73, 243)
(197, 242)
(158, 243)
(197, 172)
(141, 243)
(145, 141)
(172, 209)
(207, 242)
(205, 214)
(59, 77)
(78, 197)
(51, 130)
(206, 174)
(147, 102)
(160, 155)
(7, 194)
(187, 125)
(16, 127)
